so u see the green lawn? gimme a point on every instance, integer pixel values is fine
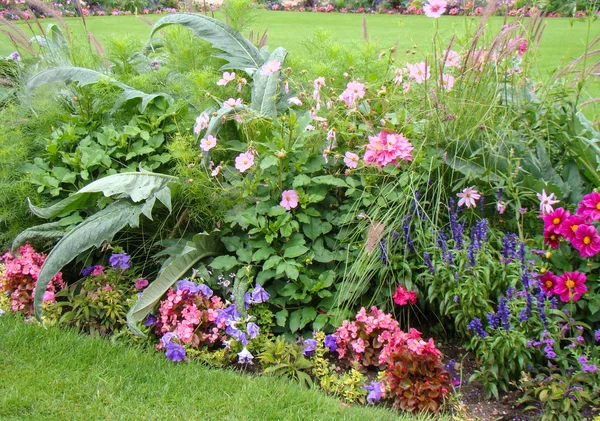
(564, 39)
(56, 374)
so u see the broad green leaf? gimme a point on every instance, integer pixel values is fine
(294, 319)
(239, 53)
(281, 317)
(203, 246)
(268, 161)
(94, 231)
(320, 321)
(264, 87)
(294, 251)
(308, 315)
(330, 180)
(49, 231)
(224, 263)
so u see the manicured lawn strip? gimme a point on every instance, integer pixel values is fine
(56, 374)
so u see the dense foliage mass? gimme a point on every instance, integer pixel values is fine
(211, 199)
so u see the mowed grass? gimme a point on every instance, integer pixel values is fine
(563, 40)
(56, 374)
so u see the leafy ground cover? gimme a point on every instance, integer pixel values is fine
(56, 374)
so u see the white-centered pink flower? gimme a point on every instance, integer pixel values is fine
(434, 8)
(208, 143)
(201, 122)
(468, 197)
(232, 103)
(546, 202)
(289, 199)
(270, 68)
(418, 72)
(244, 161)
(351, 159)
(447, 82)
(227, 77)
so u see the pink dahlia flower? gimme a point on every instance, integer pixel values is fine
(589, 207)
(570, 286)
(586, 240)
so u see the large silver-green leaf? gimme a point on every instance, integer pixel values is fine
(238, 51)
(134, 185)
(49, 231)
(92, 232)
(264, 87)
(217, 121)
(84, 77)
(202, 246)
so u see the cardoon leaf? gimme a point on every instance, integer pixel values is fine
(239, 53)
(264, 87)
(49, 231)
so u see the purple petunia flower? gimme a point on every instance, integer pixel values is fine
(597, 335)
(175, 352)
(120, 261)
(245, 357)
(374, 392)
(590, 368)
(550, 354)
(228, 314)
(150, 320)
(166, 338)
(248, 301)
(259, 295)
(310, 347)
(252, 330)
(331, 342)
(582, 360)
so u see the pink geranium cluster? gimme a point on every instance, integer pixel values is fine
(20, 276)
(388, 148)
(191, 316)
(577, 228)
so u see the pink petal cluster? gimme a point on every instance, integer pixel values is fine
(270, 68)
(227, 77)
(206, 144)
(447, 82)
(402, 296)
(388, 148)
(468, 197)
(546, 202)
(201, 122)
(452, 58)
(289, 199)
(244, 161)
(20, 276)
(232, 103)
(351, 159)
(589, 207)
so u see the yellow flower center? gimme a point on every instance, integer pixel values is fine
(245, 162)
(570, 284)
(556, 221)
(598, 206)
(574, 227)
(549, 284)
(587, 240)
(553, 237)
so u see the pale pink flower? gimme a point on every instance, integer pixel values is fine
(295, 101)
(501, 207)
(329, 104)
(319, 83)
(244, 161)
(141, 283)
(406, 88)
(468, 197)
(286, 87)
(398, 77)
(546, 202)
(315, 117)
(387, 148)
(270, 68)
(208, 143)
(216, 171)
(331, 135)
(452, 58)
(354, 91)
(232, 103)
(447, 82)
(227, 77)
(201, 122)
(434, 8)
(289, 199)
(351, 159)
(418, 72)
(309, 127)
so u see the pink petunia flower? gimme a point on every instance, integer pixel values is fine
(201, 123)
(232, 103)
(546, 202)
(351, 159)
(589, 207)
(468, 197)
(227, 77)
(402, 296)
(434, 8)
(289, 199)
(586, 240)
(208, 143)
(141, 283)
(570, 286)
(418, 72)
(270, 68)
(244, 161)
